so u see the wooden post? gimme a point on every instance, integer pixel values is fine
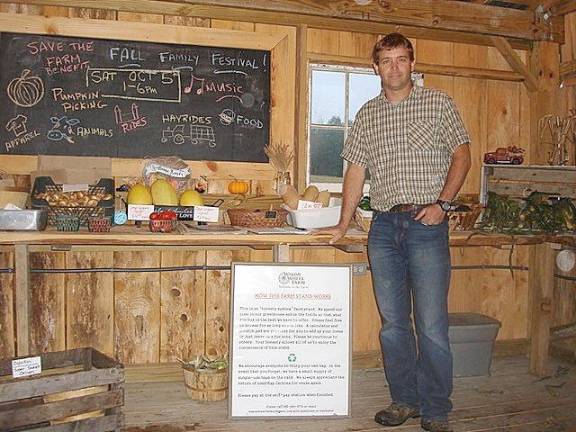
(22, 296)
(540, 292)
(545, 66)
(281, 253)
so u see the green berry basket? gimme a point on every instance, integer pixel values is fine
(67, 223)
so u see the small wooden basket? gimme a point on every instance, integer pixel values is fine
(257, 218)
(363, 219)
(206, 384)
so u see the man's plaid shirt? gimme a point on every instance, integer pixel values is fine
(407, 147)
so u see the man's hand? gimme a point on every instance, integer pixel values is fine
(337, 232)
(431, 215)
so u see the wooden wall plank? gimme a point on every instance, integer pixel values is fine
(137, 308)
(218, 298)
(22, 299)
(436, 53)
(21, 9)
(48, 304)
(90, 302)
(503, 114)
(187, 21)
(494, 292)
(102, 14)
(182, 306)
(140, 17)
(7, 330)
(232, 25)
(470, 98)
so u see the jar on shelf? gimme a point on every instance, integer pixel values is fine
(282, 178)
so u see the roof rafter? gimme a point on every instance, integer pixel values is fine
(439, 15)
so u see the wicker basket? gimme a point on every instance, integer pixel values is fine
(67, 222)
(363, 219)
(257, 218)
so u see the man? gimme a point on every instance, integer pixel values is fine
(415, 145)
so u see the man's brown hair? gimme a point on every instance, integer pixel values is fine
(392, 40)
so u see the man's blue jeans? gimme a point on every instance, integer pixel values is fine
(410, 265)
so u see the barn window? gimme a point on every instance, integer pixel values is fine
(337, 93)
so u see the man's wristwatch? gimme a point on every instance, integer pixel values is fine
(445, 205)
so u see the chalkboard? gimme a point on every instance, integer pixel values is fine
(94, 97)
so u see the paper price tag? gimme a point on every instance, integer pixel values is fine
(302, 205)
(206, 214)
(75, 187)
(140, 212)
(26, 367)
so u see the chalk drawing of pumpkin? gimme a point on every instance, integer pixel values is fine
(26, 90)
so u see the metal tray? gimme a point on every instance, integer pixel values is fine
(23, 220)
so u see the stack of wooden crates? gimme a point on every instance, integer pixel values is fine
(78, 390)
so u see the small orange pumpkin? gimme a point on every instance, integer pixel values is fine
(238, 187)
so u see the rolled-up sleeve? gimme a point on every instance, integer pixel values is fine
(354, 150)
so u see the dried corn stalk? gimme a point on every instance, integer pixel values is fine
(560, 134)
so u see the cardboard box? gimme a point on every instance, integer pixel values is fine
(73, 169)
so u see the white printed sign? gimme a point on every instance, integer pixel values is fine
(26, 367)
(206, 214)
(140, 212)
(290, 340)
(75, 187)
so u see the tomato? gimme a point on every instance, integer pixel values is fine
(168, 215)
(154, 216)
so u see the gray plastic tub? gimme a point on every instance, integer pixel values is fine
(472, 338)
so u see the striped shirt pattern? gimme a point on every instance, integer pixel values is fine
(406, 147)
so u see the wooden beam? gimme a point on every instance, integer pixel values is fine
(559, 7)
(541, 292)
(301, 115)
(398, 18)
(423, 13)
(445, 70)
(515, 62)
(545, 65)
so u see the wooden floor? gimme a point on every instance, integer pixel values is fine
(509, 400)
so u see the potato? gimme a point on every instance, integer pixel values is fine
(310, 194)
(289, 196)
(323, 198)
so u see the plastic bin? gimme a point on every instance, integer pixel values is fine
(316, 218)
(472, 338)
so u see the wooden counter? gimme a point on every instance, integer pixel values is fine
(540, 269)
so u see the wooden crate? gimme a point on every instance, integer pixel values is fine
(79, 390)
(518, 181)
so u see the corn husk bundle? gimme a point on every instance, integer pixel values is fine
(280, 156)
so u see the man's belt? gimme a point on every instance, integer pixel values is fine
(407, 208)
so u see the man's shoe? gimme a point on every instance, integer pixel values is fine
(436, 425)
(396, 414)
